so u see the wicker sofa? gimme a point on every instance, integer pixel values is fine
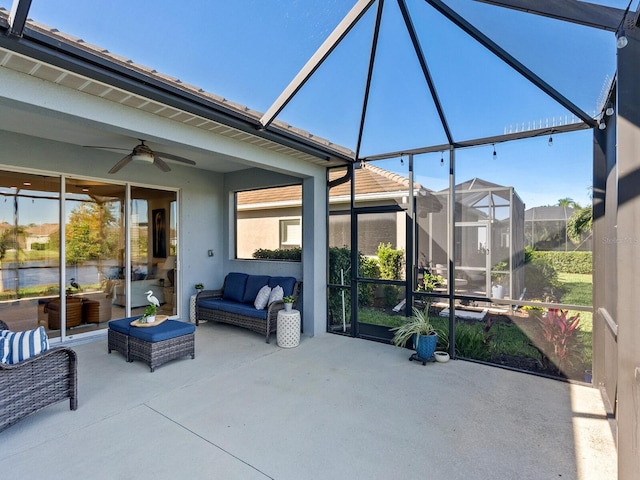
(234, 302)
(37, 382)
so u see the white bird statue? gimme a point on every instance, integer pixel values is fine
(153, 300)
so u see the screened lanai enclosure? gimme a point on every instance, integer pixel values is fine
(481, 138)
(464, 114)
(489, 248)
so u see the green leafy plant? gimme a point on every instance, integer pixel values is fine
(391, 262)
(150, 310)
(288, 299)
(430, 282)
(199, 286)
(418, 324)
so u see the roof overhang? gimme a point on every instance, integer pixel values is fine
(49, 55)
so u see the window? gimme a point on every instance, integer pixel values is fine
(268, 221)
(290, 233)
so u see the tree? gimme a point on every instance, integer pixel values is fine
(87, 233)
(580, 223)
(568, 202)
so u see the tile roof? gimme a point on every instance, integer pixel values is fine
(369, 180)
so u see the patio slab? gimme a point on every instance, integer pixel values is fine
(331, 408)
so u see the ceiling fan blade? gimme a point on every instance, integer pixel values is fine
(175, 158)
(107, 148)
(158, 162)
(121, 163)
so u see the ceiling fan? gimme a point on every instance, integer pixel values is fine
(143, 154)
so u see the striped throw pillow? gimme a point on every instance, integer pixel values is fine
(18, 346)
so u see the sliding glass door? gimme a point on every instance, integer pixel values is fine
(107, 268)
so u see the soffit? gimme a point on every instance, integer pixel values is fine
(65, 78)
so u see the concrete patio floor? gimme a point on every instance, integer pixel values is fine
(332, 408)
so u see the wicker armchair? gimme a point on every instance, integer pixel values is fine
(47, 378)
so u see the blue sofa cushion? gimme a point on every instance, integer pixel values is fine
(234, 286)
(166, 330)
(122, 325)
(233, 307)
(287, 284)
(254, 284)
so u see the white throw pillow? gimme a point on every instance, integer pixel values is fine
(276, 294)
(262, 298)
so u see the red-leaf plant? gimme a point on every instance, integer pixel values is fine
(560, 332)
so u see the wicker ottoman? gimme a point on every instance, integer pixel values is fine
(156, 345)
(118, 336)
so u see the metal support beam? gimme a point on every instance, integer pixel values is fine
(18, 16)
(503, 55)
(574, 11)
(341, 31)
(367, 88)
(507, 137)
(425, 68)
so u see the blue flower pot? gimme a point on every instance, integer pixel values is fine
(425, 345)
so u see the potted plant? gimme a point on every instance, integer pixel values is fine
(497, 280)
(149, 314)
(288, 302)
(199, 287)
(421, 331)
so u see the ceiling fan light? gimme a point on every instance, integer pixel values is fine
(142, 157)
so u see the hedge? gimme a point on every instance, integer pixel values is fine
(567, 262)
(291, 254)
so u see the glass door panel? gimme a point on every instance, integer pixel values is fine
(94, 250)
(154, 247)
(29, 241)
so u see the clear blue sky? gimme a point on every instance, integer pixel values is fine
(249, 50)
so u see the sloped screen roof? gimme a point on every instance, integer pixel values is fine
(249, 51)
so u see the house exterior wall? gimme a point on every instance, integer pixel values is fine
(203, 196)
(312, 269)
(261, 228)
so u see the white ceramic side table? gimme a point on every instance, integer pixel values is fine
(288, 333)
(192, 308)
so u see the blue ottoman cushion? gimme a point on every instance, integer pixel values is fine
(122, 325)
(166, 330)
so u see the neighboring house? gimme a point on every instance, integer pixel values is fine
(489, 223)
(272, 218)
(40, 235)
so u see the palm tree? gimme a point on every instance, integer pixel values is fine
(568, 202)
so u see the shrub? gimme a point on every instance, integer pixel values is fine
(558, 338)
(291, 254)
(567, 262)
(340, 259)
(391, 262)
(540, 278)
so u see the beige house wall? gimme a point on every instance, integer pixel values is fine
(261, 229)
